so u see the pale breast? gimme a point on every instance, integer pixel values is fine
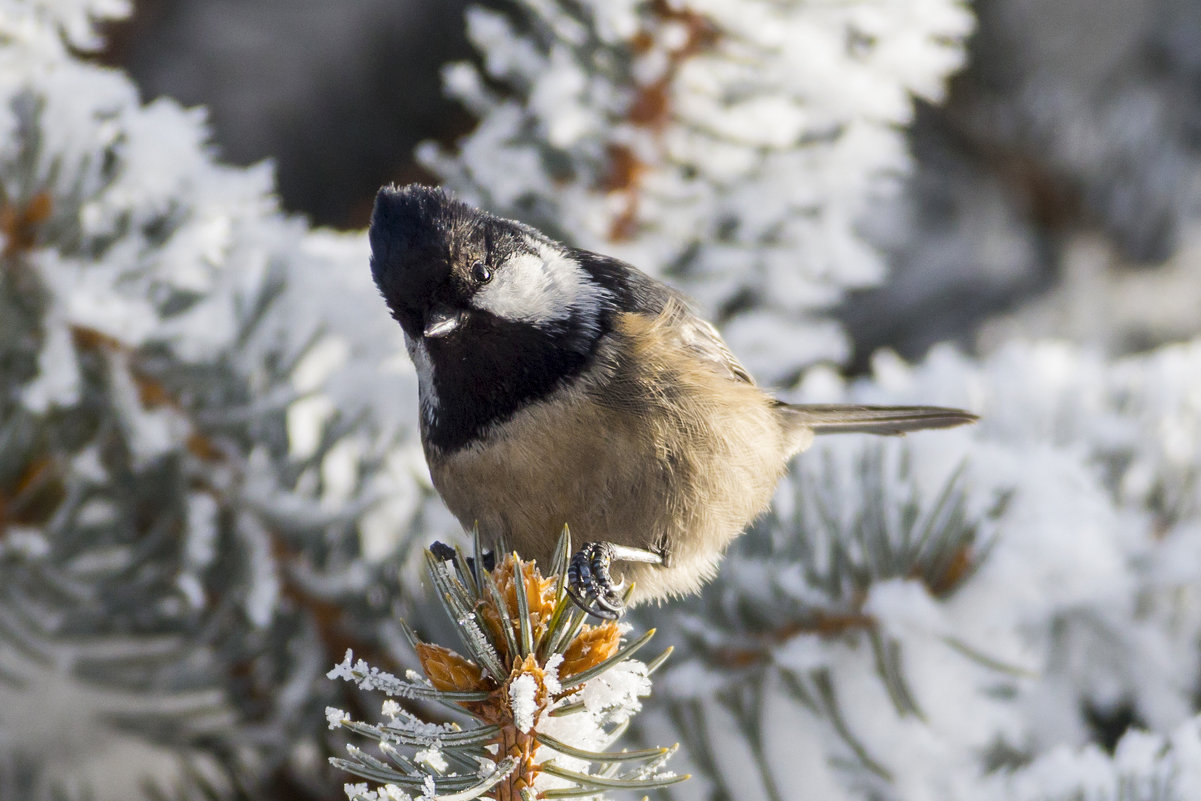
(647, 449)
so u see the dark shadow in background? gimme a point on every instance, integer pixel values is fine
(336, 94)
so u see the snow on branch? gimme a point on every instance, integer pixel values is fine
(542, 694)
(928, 617)
(730, 146)
(193, 464)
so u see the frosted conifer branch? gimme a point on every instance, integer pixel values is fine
(183, 496)
(847, 566)
(1144, 766)
(70, 21)
(732, 147)
(517, 737)
(1073, 613)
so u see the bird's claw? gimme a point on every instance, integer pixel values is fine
(590, 585)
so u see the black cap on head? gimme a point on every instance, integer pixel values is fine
(413, 230)
(409, 218)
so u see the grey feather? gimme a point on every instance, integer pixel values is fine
(887, 420)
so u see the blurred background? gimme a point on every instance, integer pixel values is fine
(337, 96)
(211, 480)
(1054, 193)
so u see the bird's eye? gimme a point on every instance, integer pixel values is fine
(480, 272)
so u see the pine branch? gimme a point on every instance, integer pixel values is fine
(800, 583)
(531, 659)
(696, 141)
(175, 565)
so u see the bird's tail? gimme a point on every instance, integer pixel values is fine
(894, 420)
(809, 419)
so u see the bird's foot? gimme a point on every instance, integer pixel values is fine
(590, 585)
(442, 551)
(488, 558)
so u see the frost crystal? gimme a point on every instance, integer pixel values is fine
(335, 717)
(551, 677)
(432, 758)
(615, 695)
(522, 692)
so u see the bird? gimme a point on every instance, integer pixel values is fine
(561, 387)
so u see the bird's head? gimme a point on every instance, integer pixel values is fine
(448, 270)
(494, 312)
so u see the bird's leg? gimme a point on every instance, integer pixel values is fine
(488, 558)
(447, 554)
(442, 551)
(589, 583)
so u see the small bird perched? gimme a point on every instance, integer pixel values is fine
(562, 387)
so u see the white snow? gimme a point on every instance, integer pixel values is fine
(772, 143)
(1081, 480)
(616, 694)
(550, 678)
(431, 758)
(523, 701)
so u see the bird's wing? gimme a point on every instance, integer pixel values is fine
(699, 336)
(635, 291)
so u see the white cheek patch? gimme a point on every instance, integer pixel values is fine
(541, 287)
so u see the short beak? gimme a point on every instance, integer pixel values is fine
(441, 321)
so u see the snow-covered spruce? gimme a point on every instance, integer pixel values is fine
(183, 491)
(542, 696)
(732, 147)
(1143, 766)
(966, 615)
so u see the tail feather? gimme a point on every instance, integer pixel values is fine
(887, 420)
